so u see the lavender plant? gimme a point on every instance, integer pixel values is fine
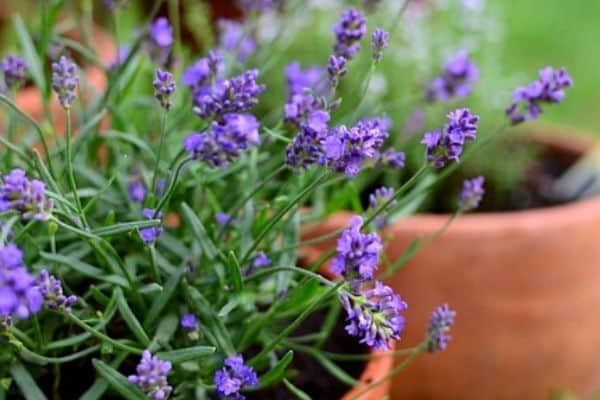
(156, 243)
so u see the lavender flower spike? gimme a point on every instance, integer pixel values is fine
(65, 81)
(19, 295)
(440, 322)
(336, 68)
(455, 81)
(25, 196)
(151, 377)
(357, 253)
(349, 30)
(376, 200)
(164, 87)
(51, 289)
(471, 193)
(375, 316)
(149, 235)
(189, 322)
(14, 69)
(233, 377)
(379, 42)
(549, 89)
(160, 40)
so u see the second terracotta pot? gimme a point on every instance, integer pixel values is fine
(526, 288)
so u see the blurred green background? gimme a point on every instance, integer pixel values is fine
(561, 33)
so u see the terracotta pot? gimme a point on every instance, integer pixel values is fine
(374, 369)
(526, 288)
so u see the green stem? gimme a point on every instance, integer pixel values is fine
(69, 162)
(277, 217)
(170, 188)
(101, 335)
(163, 132)
(295, 324)
(272, 270)
(30, 355)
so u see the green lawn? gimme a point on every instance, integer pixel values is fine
(558, 33)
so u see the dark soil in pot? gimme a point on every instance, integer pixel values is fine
(310, 376)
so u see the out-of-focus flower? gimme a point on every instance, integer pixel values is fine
(457, 79)
(65, 81)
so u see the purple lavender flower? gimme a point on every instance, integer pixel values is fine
(149, 235)
(455, 81)
(549, 88)
(336, 67)
(233, 39)
(376, 199)
(306, 148)
(224, 219)
(357, 253)
(122, 54)
(442, 146)
(347, 149)
(137, 190)
(164, 87)
(349, 30)
(392, 158)
(307, 112)
(65, 81)
(228, 137)
(51, 289)
(233, 377)
(25, 196)
(440, 322)
(189, 322)
(414, 122)
(471, 194)
(374, 316)
(233, 95)
(160, 40)
(19, 295)
(261, 260)
(151, 377)
(299, 80)
(199, 74)
(15, 70)
(379, 42)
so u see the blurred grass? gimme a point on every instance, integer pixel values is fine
(558, 33)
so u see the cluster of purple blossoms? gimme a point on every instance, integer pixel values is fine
(440, 322)
(549, 88)
(446, 145)
(376, 199)
(392, 158)
(233, 95)
(233, 39)
(19, 294)
(379, 42)
(233, 377)
(260, 260)
(23, 195)
(164, 87)
(203, 71)
(149, 235)
(151, 377)
(349, 30)
(228, 137)
(122, 54)
(160, 40)
(137, 190)
(375, 316)
(346, 149)
(52, 291)
(65, 81)
(189, 322)
(455, 81)
(224, 219)
(336, 67)
(471, 194)
(357, 253)
(300, 80)
(14, 69)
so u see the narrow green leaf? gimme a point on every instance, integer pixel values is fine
(163, 299)
(164, 332)
(30, 53)
(234, 273)
(130, 319)
(96, 391)
(117, 381)
(85, 269)
(125, 227)
(208, 247)
(131, 139)
(26, 383)
(295, 390)
(204, 309)
(276, 373)
(187, 354)
(332, 368)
